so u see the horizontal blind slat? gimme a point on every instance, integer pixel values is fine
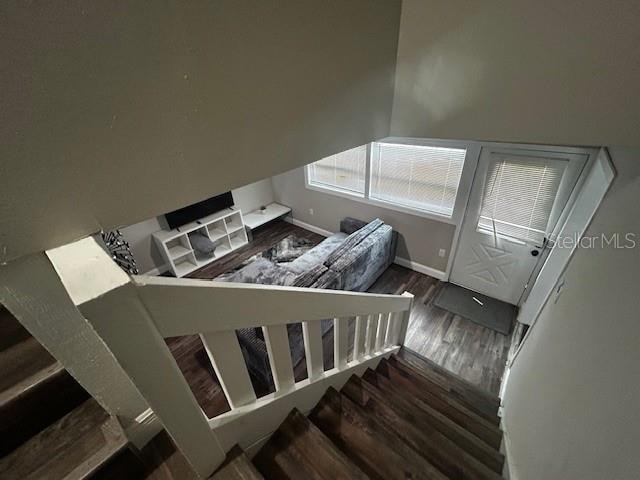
(519, 194)
(416, 176)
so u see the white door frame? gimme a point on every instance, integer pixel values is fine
(468, 177)
(590, 152)
(596, 182)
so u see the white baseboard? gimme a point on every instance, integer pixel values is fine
(144, 428)
(158, 270)
(505, 447)
(308, 226)
(418, 267)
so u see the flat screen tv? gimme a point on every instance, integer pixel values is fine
(180, 217)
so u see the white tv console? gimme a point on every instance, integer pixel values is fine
(225, 229)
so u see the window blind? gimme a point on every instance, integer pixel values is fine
(519, 195)
(344, 171)
(420, 177)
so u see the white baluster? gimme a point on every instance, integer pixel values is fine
(405, 319)
(227, 360)
(381, 334)
(277, 341)
(341, 342)
(395, 321)
(372, 329)
(359, 348)
(312, 334)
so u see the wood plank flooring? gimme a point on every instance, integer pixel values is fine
(471, 351)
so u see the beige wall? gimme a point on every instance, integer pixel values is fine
(546, 71)
(143, 247)
(571, 404)
(420, 238)
(114, 112)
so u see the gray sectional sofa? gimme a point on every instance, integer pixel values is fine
(351, 259)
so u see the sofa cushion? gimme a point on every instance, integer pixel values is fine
(318, 254)
(307, 278)
(330, 280)
(352, 241)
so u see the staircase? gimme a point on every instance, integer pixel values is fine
(407, 419)
(396, 416)
(49, 425)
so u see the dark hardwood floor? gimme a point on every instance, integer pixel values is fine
(471, 351)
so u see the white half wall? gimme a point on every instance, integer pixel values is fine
(571, 403)
(31, 290)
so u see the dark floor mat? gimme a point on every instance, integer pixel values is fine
(480, 309)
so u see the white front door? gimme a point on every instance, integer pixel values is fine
(516, 200)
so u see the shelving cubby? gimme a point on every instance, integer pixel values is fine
(225, 229)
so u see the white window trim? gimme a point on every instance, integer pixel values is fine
(462, 196)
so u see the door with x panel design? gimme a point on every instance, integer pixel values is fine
(516, 200)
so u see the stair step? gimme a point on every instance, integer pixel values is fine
(315, 455)
(237, 466)
(378, 451)
(72, 448)
(123, 465)
(11, 331)
(164, 461)
(416, 386)
(445, 454)
(438, 388)
(25, 412)
(23, 364)
(458, 386)
(425, 417)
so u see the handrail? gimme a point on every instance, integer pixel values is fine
(187, 306)
(133, 315)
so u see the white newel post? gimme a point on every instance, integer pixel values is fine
(406, 315)
(109, 301)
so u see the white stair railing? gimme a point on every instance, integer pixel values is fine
(134, 315)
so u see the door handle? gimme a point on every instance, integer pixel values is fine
(535, 253)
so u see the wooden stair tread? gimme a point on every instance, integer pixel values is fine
(457, 412)
(425, 416)
(438, 449)
(237, 467)
(309, 446)
(11, 331)
(379, 452)
(456, 384)
(23, 365)
(71, 448)
(278, 460)
(164, 461)
(30, 410)
(438, 388)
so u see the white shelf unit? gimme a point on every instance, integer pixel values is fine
(225, 229)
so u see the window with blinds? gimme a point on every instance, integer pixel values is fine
(343, 172)
(519, 195)
(424, 178)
